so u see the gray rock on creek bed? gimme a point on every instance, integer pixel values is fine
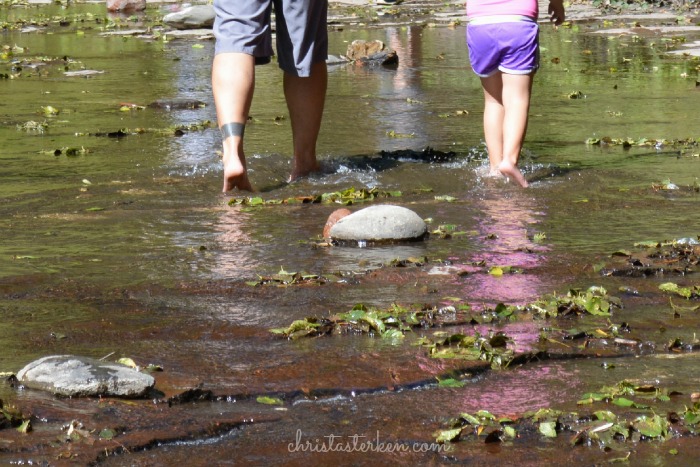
(381, 223)
(67, 375)
(194, 17)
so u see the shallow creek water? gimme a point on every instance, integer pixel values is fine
(129, 250)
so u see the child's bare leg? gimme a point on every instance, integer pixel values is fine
(233, 83)
(305, 101)
(493, 120)
(516, 97)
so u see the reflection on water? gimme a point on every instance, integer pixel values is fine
(507, 229)
(233, 241)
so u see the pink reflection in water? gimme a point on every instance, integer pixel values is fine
(234, 260)
(505, 231)
(515, 392)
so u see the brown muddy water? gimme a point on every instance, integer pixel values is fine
(123, 247)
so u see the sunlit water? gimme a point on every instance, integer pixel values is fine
(130, 248)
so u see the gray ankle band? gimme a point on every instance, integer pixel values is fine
(232, 129)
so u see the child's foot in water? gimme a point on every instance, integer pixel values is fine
(513, 173)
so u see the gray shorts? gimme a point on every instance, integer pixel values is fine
(301, 28)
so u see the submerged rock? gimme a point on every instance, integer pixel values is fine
(384, 58)
(361, 48)
(381, 223)
(371, 53)
(194, 17)
(72, 376)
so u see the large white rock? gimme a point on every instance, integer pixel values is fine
(380, 223)
(194, 17)
(67, 375)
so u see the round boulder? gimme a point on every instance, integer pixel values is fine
(381, 223)
(193, 17)
(67, 375)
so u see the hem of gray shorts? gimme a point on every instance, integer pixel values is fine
(301, 72)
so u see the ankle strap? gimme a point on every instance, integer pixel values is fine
(232, 129)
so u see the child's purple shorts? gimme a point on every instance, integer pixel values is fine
(511, 47)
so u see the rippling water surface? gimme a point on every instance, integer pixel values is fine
(128, 247)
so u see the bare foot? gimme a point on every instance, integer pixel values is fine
(494, 173)
(235, 175)
(512, 172)
(303, 168)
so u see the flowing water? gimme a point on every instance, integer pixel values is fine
(124, 247)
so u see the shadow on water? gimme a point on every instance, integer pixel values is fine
(125, 248)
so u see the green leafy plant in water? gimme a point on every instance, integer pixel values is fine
(446, 231)
(180, 130)
(651, 426)
(539, 237)
(498, 271)
(685, 292)
(643, 142)
(678, 345)
(481, 423)
(691, 418)
(267, 400)
(622, 393)
(285, 279)
(450, 383)
(410, 261)
(594, 301)
(345, 197)
(491, 348)
(396, 320)
(446, 198)
(307, 327)
(602, 427)
(391, 323)
(11, 417)
(352, 195)
(49, 111)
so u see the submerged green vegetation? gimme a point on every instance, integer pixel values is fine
(397, 319)
(627, 413)
(681, 256)
(345, 197)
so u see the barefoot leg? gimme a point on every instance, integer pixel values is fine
(233, 83)
(305, 101)
(493, 120)
(516, 98)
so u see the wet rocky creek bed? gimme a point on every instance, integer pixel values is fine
(553, 324)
